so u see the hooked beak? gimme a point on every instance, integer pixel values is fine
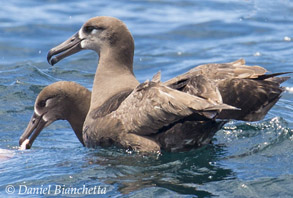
(67, 48)
(35, 126)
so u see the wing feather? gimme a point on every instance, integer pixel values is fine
(248, 88)
(152, 106)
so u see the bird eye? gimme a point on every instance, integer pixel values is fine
(42, 103)
(100, 28)
(89, 29)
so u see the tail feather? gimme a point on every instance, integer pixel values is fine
(267, 76)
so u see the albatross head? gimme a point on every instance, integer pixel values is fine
(57, 101)
(105, 35)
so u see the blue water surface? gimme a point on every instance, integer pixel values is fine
(244, 160)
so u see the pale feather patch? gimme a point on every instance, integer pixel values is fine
(94, 31)
(80, 34)
(164, 93)
(36, 112)
(45, 118)
(157, 107)
(48, 102)
(82, 44)
(188, 141)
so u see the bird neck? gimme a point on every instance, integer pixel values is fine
(114, 74)
(79, 109)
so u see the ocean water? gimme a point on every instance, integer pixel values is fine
(244, 159)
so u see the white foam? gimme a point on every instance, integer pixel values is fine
(289, 89)
(257, 54)
(6, 154)
(287, 38)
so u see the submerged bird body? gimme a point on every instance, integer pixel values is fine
(182, 113)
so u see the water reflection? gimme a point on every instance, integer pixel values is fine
(179, 172)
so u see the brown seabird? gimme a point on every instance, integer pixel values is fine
(61, 100)
(180, 114)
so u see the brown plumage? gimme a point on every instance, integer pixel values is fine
(182, 113)
(62, 100)
(248, 88)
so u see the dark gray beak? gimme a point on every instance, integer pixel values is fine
(35, 126)
(67, 48)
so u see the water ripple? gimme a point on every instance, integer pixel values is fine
(245, 159)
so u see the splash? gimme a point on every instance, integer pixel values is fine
(257, 137)
(6, 154)
(289, 90)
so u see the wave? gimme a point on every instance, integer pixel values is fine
(246, 139)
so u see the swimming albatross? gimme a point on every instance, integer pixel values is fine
(61, 100)
(179, 114)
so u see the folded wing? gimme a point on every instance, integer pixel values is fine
(152, 106)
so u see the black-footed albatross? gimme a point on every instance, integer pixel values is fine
(61, 100)
(180, 114)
